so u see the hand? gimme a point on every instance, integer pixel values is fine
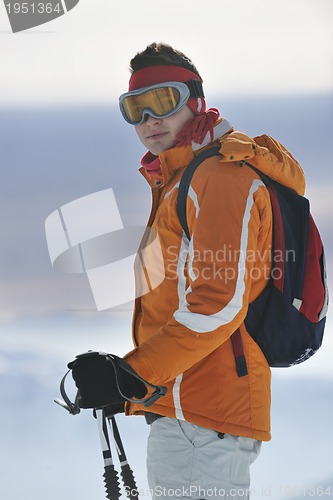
(101, 381)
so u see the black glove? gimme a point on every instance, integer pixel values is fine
(102, 379)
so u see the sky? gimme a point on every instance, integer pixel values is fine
(258, 47)
(268, 66)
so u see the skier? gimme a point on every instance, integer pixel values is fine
(208, 428)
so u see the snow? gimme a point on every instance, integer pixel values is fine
(47, 453)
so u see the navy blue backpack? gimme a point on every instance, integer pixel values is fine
(287, 320)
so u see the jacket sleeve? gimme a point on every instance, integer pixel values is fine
(214, 280)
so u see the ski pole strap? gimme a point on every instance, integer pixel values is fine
(72, 408)
(159, 390)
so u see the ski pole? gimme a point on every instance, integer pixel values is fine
(126, 471)
(110, 475)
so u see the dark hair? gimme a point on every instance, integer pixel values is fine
(161, 54)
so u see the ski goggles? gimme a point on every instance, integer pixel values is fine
(160, 100)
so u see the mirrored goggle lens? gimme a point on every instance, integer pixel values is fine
(160, 101)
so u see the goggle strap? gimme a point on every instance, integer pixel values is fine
(195, 87)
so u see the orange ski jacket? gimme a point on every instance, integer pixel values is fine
(182, 326)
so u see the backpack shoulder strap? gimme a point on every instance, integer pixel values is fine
(185, 182)
(265, 179)
(183, 189)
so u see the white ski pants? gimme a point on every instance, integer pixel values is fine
(188, 461)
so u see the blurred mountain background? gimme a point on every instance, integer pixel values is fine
(55, 155)
(51, 156)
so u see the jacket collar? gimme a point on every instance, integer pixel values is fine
(179, 157)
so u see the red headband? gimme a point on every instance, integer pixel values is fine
(160, 74)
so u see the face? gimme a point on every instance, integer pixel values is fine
(159, 134)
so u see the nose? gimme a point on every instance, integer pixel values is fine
(151, 120)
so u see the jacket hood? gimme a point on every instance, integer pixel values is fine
(267, 155)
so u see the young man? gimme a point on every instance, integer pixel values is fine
(208, 428)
